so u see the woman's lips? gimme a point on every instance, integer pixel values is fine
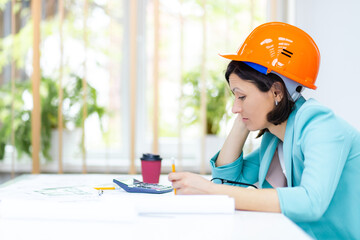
(245, 119)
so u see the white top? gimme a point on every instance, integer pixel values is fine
(281, 157)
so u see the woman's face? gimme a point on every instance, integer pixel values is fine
(252, 104)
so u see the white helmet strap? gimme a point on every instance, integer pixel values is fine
(291, 86)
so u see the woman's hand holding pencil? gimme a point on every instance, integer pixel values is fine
(190, 183)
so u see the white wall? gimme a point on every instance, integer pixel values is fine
(335, 27)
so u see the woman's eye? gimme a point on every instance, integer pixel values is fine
(241, 97)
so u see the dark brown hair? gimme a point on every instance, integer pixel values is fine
(264, 82)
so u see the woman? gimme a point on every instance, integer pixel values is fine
(308, 164)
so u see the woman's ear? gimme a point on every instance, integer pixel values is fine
(278, 91)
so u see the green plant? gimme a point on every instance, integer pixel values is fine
(72, 112)
(217, 99)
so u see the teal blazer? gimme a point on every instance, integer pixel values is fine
(322, 163)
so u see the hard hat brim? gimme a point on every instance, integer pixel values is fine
(236, 57)
(231, 57)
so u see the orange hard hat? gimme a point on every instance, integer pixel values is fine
(281, 48)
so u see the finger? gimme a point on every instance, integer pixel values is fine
(183, 191)
(176, 184)
(171, 177)
(179, 191)
(175, 176)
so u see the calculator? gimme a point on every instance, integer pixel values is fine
(135, 186)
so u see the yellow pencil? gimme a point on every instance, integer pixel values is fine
(102, 188)
(105, 188)
(173, 170)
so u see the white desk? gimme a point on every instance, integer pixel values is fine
(241, 225)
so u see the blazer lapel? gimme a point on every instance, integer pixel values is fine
(289, 141)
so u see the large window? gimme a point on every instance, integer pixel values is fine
(96, 46)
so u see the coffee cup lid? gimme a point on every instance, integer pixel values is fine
(150, 157)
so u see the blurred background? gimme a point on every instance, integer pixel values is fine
(89, 86)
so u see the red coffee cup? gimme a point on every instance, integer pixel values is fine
(150, 167)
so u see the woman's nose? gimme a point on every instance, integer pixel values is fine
(236, 108)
